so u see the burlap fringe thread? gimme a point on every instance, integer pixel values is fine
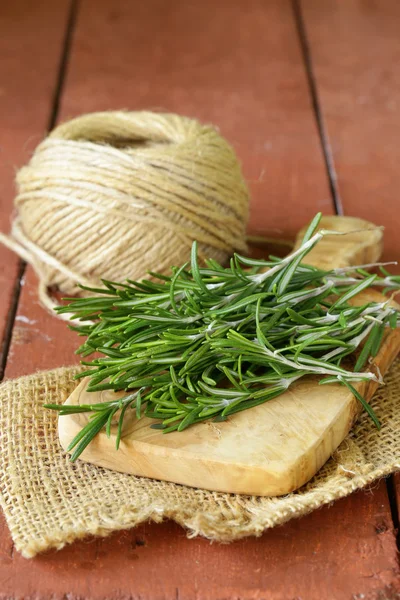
(49, 502)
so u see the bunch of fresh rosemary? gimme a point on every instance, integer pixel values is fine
(207, 342)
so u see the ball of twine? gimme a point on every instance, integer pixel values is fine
(113, 194)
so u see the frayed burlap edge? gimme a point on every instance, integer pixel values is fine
(49, 502)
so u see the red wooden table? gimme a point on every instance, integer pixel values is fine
(309, 94)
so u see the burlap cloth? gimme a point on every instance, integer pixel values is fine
(49, 502)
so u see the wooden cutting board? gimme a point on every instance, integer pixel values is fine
(269, 450)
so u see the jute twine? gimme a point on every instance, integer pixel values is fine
(49, 502)
(113, 194)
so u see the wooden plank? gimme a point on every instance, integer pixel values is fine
(239, 68)
(31, 45)
(355, 49)
(30, 48)
(336, 553)
(242, 69)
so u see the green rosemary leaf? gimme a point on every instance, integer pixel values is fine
(291, 268)
(196, 271)
(138, 404)
(172, 288)
(366, 351)
(353, 292)
(377, 341)
(256, 402)
(312, 228)
(69, 410)
(230, 377)
(95, 290)
(393, 320)
(189, 419)
(109, 420)
(120, 424)
(211, 341)
(254, 262)
(87, 434)
(297, 317)
(367, 407)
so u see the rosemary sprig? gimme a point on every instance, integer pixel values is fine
(210, 341)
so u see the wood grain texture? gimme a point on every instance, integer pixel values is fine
(330, 554)
(228, 65)
(355, 50)
(237, 66)
(270, 450)
(31, 43)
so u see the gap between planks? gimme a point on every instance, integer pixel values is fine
(54, 110)
(315, 101)
(316, 107)
(338, 204)
(5, 345)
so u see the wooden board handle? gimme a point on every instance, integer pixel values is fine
(362, 245)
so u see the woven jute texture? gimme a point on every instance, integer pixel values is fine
(49, 502)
